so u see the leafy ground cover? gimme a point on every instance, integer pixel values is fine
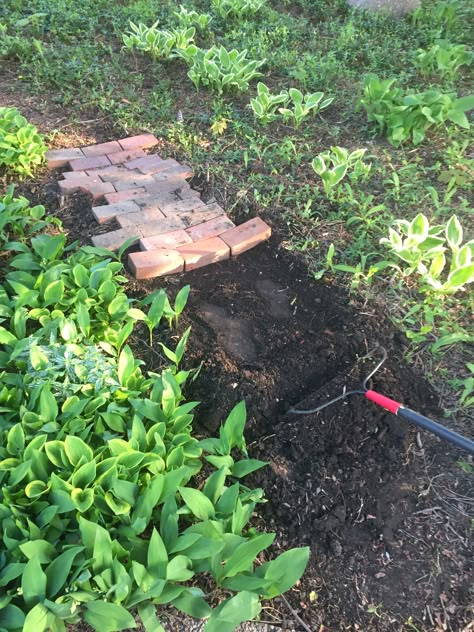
(392, 223)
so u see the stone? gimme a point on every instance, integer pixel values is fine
(397, 7)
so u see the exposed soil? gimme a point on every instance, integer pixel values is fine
(387, 513)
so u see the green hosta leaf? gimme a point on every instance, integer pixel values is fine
(126, 365)
(231, 612)
(48, 405)
(37, 619)
(83, 319)
(6, 338)
(157, 557)
(192, 602)
(77, 451)
(149, 618)
(33, 583)
(198, 503)
(458, 117)
(418, 230)
(43, 550)
(39, 360)
(12, 618)
(215, 484)
(284, 571)
(85, 475)
(178, 569)
(242, 468)
(53, 293)
(108, 617)
(245, 554)
(459, 277)
(454, 232)
(235, 425)
(15, 440)
(57, 572)
(83, 499)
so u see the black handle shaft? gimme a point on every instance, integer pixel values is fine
(437, 429)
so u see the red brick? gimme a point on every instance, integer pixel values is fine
(202, 253)
(177, 185)
(157, 200)
(152, 263)
(138, 142)
(182, 171)
(89, 163)
(105, 172)
(101, 150)
(60, 157)
(125, 156)
(212, 228)
(133, 182)
(182, 206)
(91, 185)
(139, 217)
(167, 240)
(200, 215)
(114, 239)
(160, 226)
(147, 161)
(121, 196)
(110, 211)
(74, 175)
(246, 236)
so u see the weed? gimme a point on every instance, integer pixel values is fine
(333, 166)
(443, 58)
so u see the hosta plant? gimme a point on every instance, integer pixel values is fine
(404, 116)
(265, 105)
(187, 18)
(21, 146)
(443, 58)
(301, 106)
(237, 9)
(220, 69)
(333, 166)
(159, 43)
(435, 254)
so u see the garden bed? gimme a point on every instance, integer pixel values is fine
(385, 511)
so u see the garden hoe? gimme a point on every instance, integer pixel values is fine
(397, 409)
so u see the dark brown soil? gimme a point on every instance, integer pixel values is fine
(387, 513)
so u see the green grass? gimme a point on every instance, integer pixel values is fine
(318, 45)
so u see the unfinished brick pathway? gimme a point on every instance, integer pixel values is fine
(153, 203)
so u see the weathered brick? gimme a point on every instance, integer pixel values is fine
(105, 172)
(147, 161)
(141, 141)
(212, 228)
(125, 156)
(167, 240)
(157, 200)
(114, 239)
(152, 263)
(60, 157)
(95, 186)
(129, 194)
(139, 217)
(74, 175)
(202, 253)
(178, 185)
(183, 171)
(89, 163)
(246, 236)
(198, 216)
(101, 149)
(158, 227)
(182, 206)
(133, 182)
(107, 212)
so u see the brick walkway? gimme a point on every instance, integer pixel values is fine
(151, 201)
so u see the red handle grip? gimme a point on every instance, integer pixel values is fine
(387, 403)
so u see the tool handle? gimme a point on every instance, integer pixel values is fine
(421, 421)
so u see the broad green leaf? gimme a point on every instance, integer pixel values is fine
(181, 299)
(157, 557)
(149, 617)
(102, 553)
(198, 503)
(454, 232)
(57, 572)
(39, 360)
(7, 338)
(84, 475)
(244, 556)
(235, 425)
(53, 293)
(108, 617)
(11, 618)
(77, 450)
(284, 571)
(459, 277)
(126, 365)
(215, 484)
(48, 406)
(43, 550)
(33, 583)
(37, 619)
(231, 612)
(178, 569)
(15, 440)
(244, 467)
(192, 602)
(83, 499)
